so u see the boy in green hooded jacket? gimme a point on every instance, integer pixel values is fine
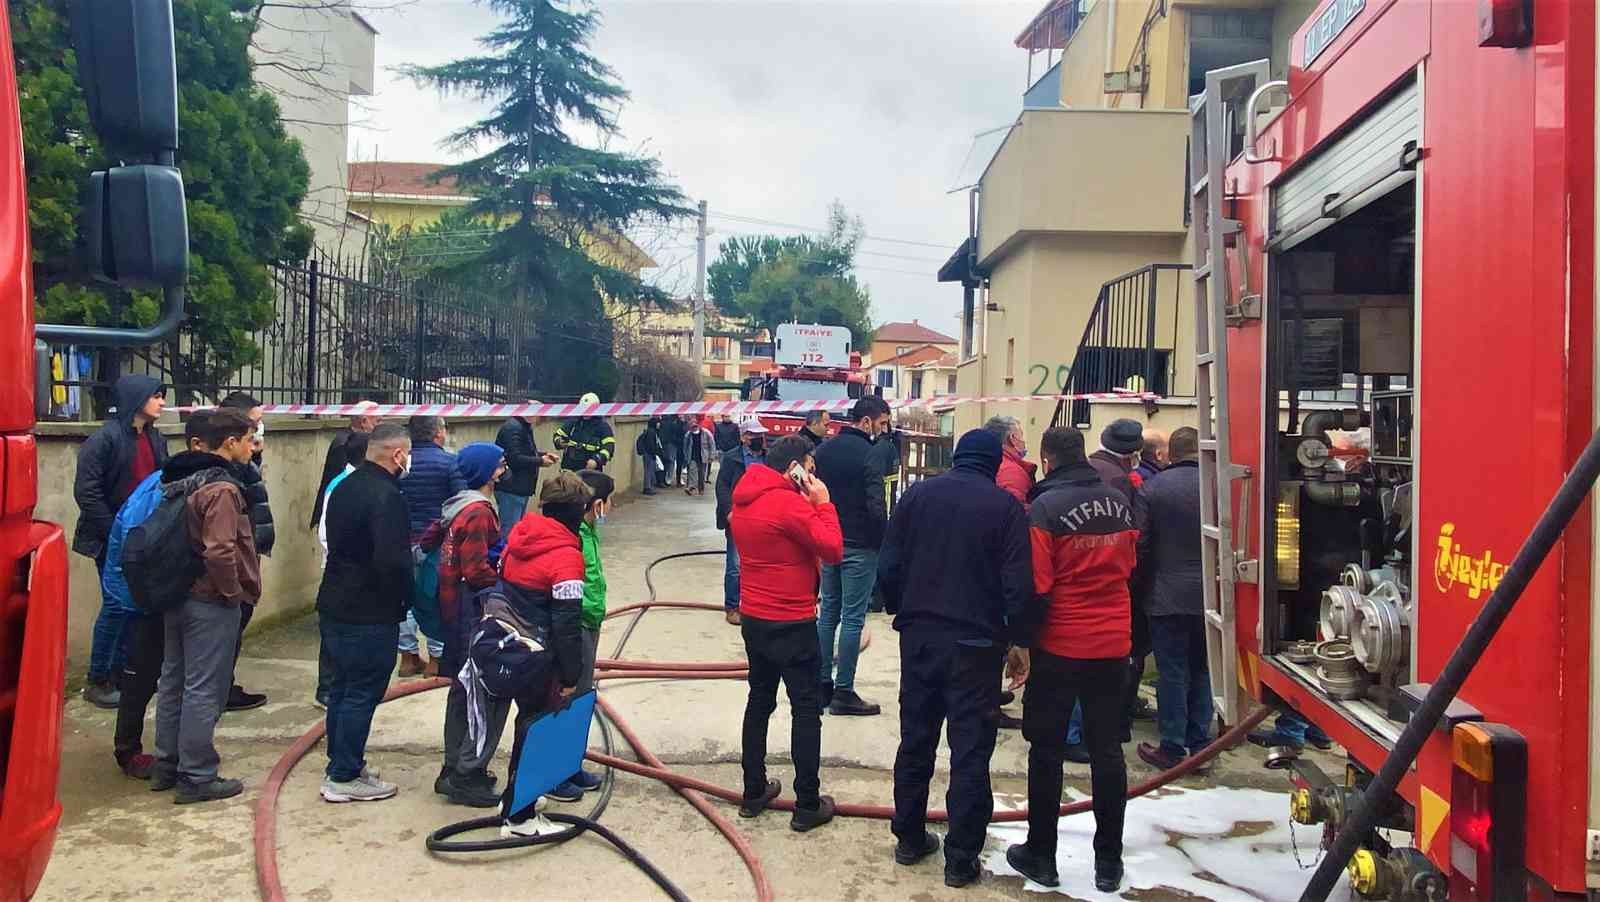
(594, 612)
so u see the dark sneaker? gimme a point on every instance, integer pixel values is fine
(138, 766)
(586, 781)
(1158, 757)
(162, 777)
(1271, 739)
(1007, 722)
(473, 793)
(846, 703)
(913, 852)
(565, 791)
(1319, 739)
(1077, 753)
(754, 807)
(960, 873)
(1126, 735)
(1108, 879)
(210, 791)
(102, 695)
(1007, 698)
(240, 700)
(805, 819)
(1032, 866)
(441, 783)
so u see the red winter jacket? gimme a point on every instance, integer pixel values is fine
(542, 568)
(1016, 476)
(781, 539)
(1083, 553)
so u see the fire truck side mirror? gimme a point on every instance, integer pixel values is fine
(129, 73)
(136, 228)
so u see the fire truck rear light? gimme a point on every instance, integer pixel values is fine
(1488, 810)
(1472, 749)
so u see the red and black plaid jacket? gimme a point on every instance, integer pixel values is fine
(464, 557)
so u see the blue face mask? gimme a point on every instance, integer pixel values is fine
(599, 519)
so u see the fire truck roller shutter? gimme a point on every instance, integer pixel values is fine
(1374, 156)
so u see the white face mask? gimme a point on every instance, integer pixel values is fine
(405, 468)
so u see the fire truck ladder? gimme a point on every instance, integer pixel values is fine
(1211, 130)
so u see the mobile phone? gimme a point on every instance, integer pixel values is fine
(797, 475)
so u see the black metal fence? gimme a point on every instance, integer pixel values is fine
(1132, 339)
(340, 331)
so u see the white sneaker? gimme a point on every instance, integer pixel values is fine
(538, 825)
(365, 788)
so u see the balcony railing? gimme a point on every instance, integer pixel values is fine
(1138, 330)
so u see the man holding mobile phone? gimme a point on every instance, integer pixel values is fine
(785, 527)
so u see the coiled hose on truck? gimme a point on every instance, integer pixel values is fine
(648, 765)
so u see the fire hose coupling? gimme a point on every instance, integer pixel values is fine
(1363, 870)
(1302, 807)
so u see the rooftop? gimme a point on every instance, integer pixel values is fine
(413, 179)
(911, 332)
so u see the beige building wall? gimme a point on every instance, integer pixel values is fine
(294, 454)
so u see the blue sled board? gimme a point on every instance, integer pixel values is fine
(548, 753)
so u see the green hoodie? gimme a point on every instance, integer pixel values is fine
(594, 577)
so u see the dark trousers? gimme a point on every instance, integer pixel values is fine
(783, 650)
(702, 472)
(1055, 684)
(457, 639)
(246, 611)
(1183, 689)
(670, 456)
(144, 643)
(1136, 662)
(362, 655)
(943, 682)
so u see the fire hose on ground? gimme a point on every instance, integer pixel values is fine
(648, 765)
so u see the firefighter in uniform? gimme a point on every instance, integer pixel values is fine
(586, 443)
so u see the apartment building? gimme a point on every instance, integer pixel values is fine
(1081, 214)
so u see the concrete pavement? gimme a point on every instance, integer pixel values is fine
(119, 841)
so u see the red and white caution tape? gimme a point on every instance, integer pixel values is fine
(663, 408)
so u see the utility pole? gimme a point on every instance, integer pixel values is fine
(697, 345)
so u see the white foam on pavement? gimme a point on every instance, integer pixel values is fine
(1224, 844)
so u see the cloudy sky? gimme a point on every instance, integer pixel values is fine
(767, 109)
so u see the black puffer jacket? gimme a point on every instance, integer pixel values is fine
(515, 438)
(101, 483)
(255, 499)
(853, 471)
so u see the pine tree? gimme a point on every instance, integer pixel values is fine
(561, 204)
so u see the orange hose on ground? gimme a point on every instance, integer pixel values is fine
(690, 788)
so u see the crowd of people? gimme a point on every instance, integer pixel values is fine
(1062, 574)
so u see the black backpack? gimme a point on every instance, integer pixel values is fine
(158, 557)
(513, 660)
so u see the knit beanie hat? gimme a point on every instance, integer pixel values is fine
(476, 463)
(1123, 437)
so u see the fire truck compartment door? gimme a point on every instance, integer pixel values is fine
(1371, 158)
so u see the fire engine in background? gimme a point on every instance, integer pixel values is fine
(135, 228)
(811, 363)
(1395, 292)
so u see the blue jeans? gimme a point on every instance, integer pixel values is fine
(1298, 728)
(106, 648)
(511, 508)
(407, 641)
(1183, 689)
(730, 576)
(846, 592)
(1075, 725)
(362, 656)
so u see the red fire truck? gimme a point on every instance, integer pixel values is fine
(812, 363)
(137, 233)
(1396, 305)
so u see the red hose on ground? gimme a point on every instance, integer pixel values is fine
(690, 788)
